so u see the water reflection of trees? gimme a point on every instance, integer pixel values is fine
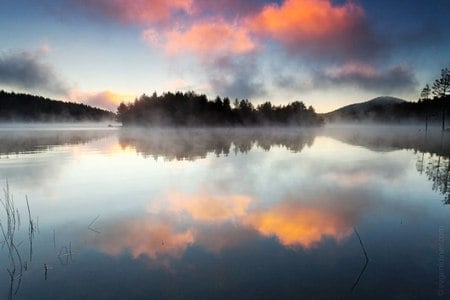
(25, 141)
(387, 138)
(191, 144)
(432, 148)
(437, 170)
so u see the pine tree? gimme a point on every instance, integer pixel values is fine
(441, 86)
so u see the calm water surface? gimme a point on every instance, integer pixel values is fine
(207, 214)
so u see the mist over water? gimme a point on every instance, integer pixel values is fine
(225, 212)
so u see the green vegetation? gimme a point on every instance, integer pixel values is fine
(191, 109)
(29, 108)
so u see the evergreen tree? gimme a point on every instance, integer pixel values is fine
(441, 86)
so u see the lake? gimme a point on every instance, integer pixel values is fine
(330, 213)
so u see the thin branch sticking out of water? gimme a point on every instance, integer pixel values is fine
(92, 223)
(366, 259)
(31, 229)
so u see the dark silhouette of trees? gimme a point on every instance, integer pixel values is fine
(25, 141)
(197, 143)
(441, 91)
(426, 91)
(30, 108)
(191, 109)
(431, 110)
(441, 86)
(438, 172)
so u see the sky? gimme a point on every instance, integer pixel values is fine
(326, 53)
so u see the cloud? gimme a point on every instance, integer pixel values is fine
(229, 41)
(136, 11)
(236, 76)
(226, 54)
(318, 28)
(27, 69)
(396, 78)
(228, 8)
(104, 99)
(209, 38)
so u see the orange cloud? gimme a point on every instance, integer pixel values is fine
(295, 225)
(296, 23)
(210, 38)
(209, 208)
(146, 237)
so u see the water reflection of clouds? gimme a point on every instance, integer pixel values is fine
(387, 168)
(217, 222)
(298, 198)
(296, 225)
(153, 236)
(208, 207)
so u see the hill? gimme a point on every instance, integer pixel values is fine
(29, 108)
(365, 110)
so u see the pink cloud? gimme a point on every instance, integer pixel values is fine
(396, 78)
(210, 38)
(153, 237)
(137, 11)
(351, 69)
(227, 8)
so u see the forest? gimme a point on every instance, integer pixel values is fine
(15, 107)
(191, 109)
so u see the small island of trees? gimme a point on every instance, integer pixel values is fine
(191, 109)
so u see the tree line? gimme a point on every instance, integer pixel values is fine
(191, 109)
(436, 99)
(30, 108)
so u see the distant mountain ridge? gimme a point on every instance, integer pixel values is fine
(365, 110)
(29, 108)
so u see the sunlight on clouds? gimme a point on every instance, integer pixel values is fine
(210, 38)
(305, 19)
